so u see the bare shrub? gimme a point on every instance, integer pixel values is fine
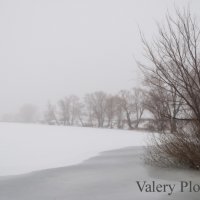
(180, 149)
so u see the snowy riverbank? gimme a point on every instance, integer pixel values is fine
(30, 147)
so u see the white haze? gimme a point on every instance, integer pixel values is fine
(52, 48)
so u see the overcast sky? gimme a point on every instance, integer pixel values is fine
(52, 48)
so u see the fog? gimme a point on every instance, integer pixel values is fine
(52, 48)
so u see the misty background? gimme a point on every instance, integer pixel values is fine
(53, 48)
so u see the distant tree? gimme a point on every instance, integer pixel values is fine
(7, 117)
(70, 110)
(76, 110)
(28, 113)
(64, 108)
(133, 106)
(89, 111)
(138, 105)
(119, 115)
(96, 102)
(110, 110)
(127, 105)
(50, 114)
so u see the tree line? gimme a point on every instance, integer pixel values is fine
(99, 109)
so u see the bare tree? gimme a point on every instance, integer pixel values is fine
(70, 110)
(88, 111)
(119, 115)
(96, 102)
(138, 105)
(64, 108)
(132, 104)
(164, 105)
(50, 114)
(76, 110)
(127, 105)
(110, 110)
(175, 64)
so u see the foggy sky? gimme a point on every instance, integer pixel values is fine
(52, 48)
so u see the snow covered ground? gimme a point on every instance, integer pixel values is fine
(29, 147)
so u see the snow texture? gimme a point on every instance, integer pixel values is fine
(28, 147)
